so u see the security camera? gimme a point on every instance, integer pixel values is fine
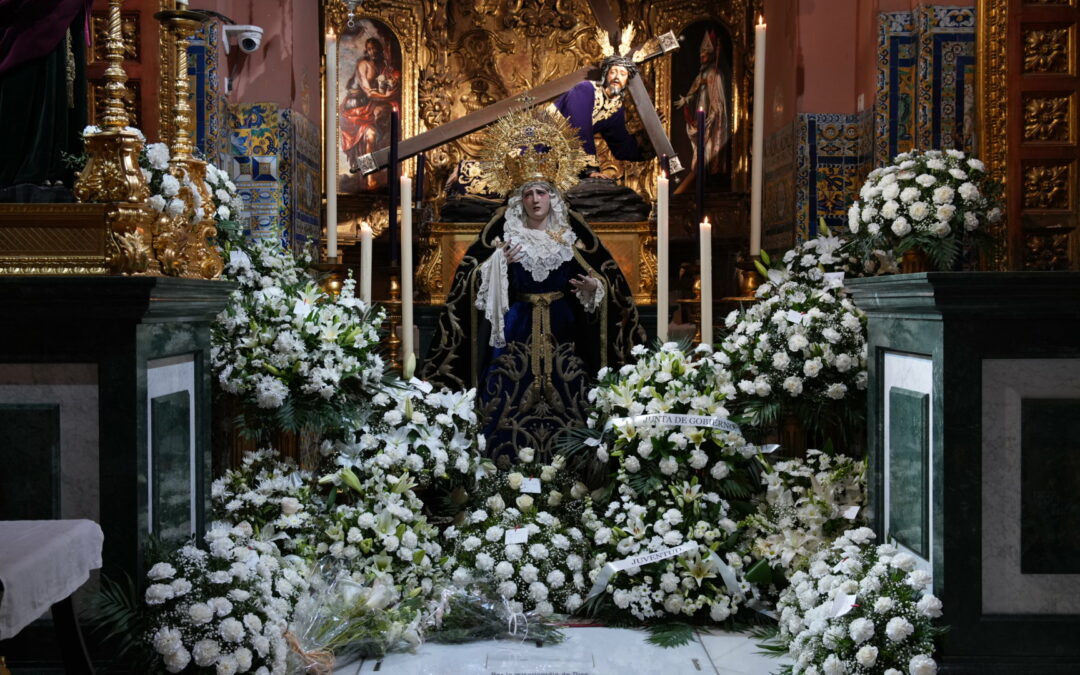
(248, 38)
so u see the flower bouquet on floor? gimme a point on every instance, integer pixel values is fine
(224, 608)
(523, 538)
(935, 202)
(859, 608)
(806, 505)
(799, 350)
(665, 535)
(275, 497)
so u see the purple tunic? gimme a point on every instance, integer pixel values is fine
(576, 106)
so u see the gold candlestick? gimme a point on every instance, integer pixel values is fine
(393, 318)
(183, 241)
(112, 171)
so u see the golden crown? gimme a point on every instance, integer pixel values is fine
(532, 144)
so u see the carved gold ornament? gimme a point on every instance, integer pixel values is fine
(1046, 252)
(1046, 118)
(1046, 186)
(1046, 50)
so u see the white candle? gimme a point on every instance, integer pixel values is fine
(406, 270)
(365, 262)
(706, 281)
(757, 150)
(330, 126)
(662, 257)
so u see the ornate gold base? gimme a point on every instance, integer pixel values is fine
(748, 277)
(54, 239)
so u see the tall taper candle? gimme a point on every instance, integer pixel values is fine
(406, 270)
(392, 188)
(662, 311)
(757, 152)
(699, 176)
(706, 282)
(365, 262)
(330, 127)
(420, 164)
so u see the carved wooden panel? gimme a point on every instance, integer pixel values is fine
(1028, 127)
(99, 28)
(1048, 117)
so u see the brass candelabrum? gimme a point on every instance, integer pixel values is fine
(112, 174)
(393, 320)
(182, 242)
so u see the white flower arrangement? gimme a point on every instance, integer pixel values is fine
(807, 503)
(274, 497)
(283, 342)
(225, 607)
(431, 434)
(801, 347)
(522, 539)
(826, 256)
(228, 204)
(381, 534)
(859, 608)
(675, 478)
(934, 201)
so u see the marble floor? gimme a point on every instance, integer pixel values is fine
(586, 651)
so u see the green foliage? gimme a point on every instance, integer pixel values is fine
(670, 634)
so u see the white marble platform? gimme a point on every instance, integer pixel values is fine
(586, 651)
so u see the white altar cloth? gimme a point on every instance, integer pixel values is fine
(41, 563)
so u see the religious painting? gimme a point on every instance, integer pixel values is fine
(369, 87)
(701, 79)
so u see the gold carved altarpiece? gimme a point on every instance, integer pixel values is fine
(461, 57)
(1028, 74)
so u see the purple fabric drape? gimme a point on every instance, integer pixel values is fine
(30, 29)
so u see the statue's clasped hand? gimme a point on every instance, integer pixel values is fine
(513, 252)
(584, 282)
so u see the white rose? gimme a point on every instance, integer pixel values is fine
(929, 605)
(526, 454)
(971, 222)
(668, 466)
(861, 630)
(945, 212)
(161, 570)
(867, 656)
(554, 498)
(899, 629)
(524, 502)
(976, 164)
(925, 180)
(921, 664)
(514, 480)
(631, 464)
(889, 210)
(780, 360)
(919, 211)
(720, 470)
(503, 570)
(290, 505)
(900, 227)
(812, 367)
(836, 391)
(890, 191)
(797, 342)
(496, 504)
(940, 229)
(968, 192)
(909, 194)
(793, 385)
(842, 363)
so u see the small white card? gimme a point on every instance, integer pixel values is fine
(531, 485)
(516, 535)
(794, 317)
(842, 604)
(851, 512)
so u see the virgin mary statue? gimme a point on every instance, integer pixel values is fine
(537, 305)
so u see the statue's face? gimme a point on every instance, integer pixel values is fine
(617, 78)
(537, 204)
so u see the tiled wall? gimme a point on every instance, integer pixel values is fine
(926, 81)
(925, 99)
(832, 159)
(209, 105)
(274, 161)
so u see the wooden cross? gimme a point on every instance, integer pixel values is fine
(455, 129)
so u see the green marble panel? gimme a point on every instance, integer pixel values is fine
(1049, 486)
(170, 438)
(30, 481)
(909, 469)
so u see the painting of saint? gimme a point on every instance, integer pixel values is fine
(702, 80)
(369, 89)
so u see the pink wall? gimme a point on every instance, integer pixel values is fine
(827, 45)
(286, 69)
